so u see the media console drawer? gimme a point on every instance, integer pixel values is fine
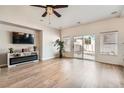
(23, 59)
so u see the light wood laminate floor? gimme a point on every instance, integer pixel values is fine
(67, 73)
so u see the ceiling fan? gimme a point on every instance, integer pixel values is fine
(50, 9)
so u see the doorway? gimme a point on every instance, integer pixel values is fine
(89, 47)
(78, 47)
(84, 47)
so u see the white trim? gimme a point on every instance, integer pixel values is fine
(3, 65)
(48, 58)
(105, 62)
(10, 66)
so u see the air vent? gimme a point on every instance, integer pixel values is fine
(114, 12)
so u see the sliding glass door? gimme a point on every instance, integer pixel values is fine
(84, 47)
(78, 47)
(89, 47)
(68, 47)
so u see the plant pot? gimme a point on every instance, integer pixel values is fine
(11, 51)
(60, 54)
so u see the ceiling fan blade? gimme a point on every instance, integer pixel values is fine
(38, 6)
(60, 6)
(56, 13)
(44, 14)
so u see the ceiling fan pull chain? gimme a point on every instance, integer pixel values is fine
(49, 19)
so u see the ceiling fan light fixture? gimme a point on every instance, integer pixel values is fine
(49, 10)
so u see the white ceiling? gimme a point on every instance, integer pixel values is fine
(28, 15)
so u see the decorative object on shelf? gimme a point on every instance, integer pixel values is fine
(23, 50)
(17, 55)
(60, 47)
(11, 50)
(35, 48)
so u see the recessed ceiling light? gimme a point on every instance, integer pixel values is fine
(78, 22)
(41, 20)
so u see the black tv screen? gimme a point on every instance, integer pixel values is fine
(22, 38)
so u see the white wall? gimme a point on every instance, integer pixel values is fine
(114, 24)
(49, 36)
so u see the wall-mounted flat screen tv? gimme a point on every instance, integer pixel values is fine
(22, 38)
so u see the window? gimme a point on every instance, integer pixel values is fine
(109, 43)
(67, 44)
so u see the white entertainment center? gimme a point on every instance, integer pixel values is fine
(14, 59)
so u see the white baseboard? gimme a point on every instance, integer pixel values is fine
(48, 58)
(3, 65)
(109, 63)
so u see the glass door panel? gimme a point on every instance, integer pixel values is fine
(68, 47)
(78, 47)
(89, 47)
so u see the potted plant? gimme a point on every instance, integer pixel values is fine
(60, 47)
(11, 50)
